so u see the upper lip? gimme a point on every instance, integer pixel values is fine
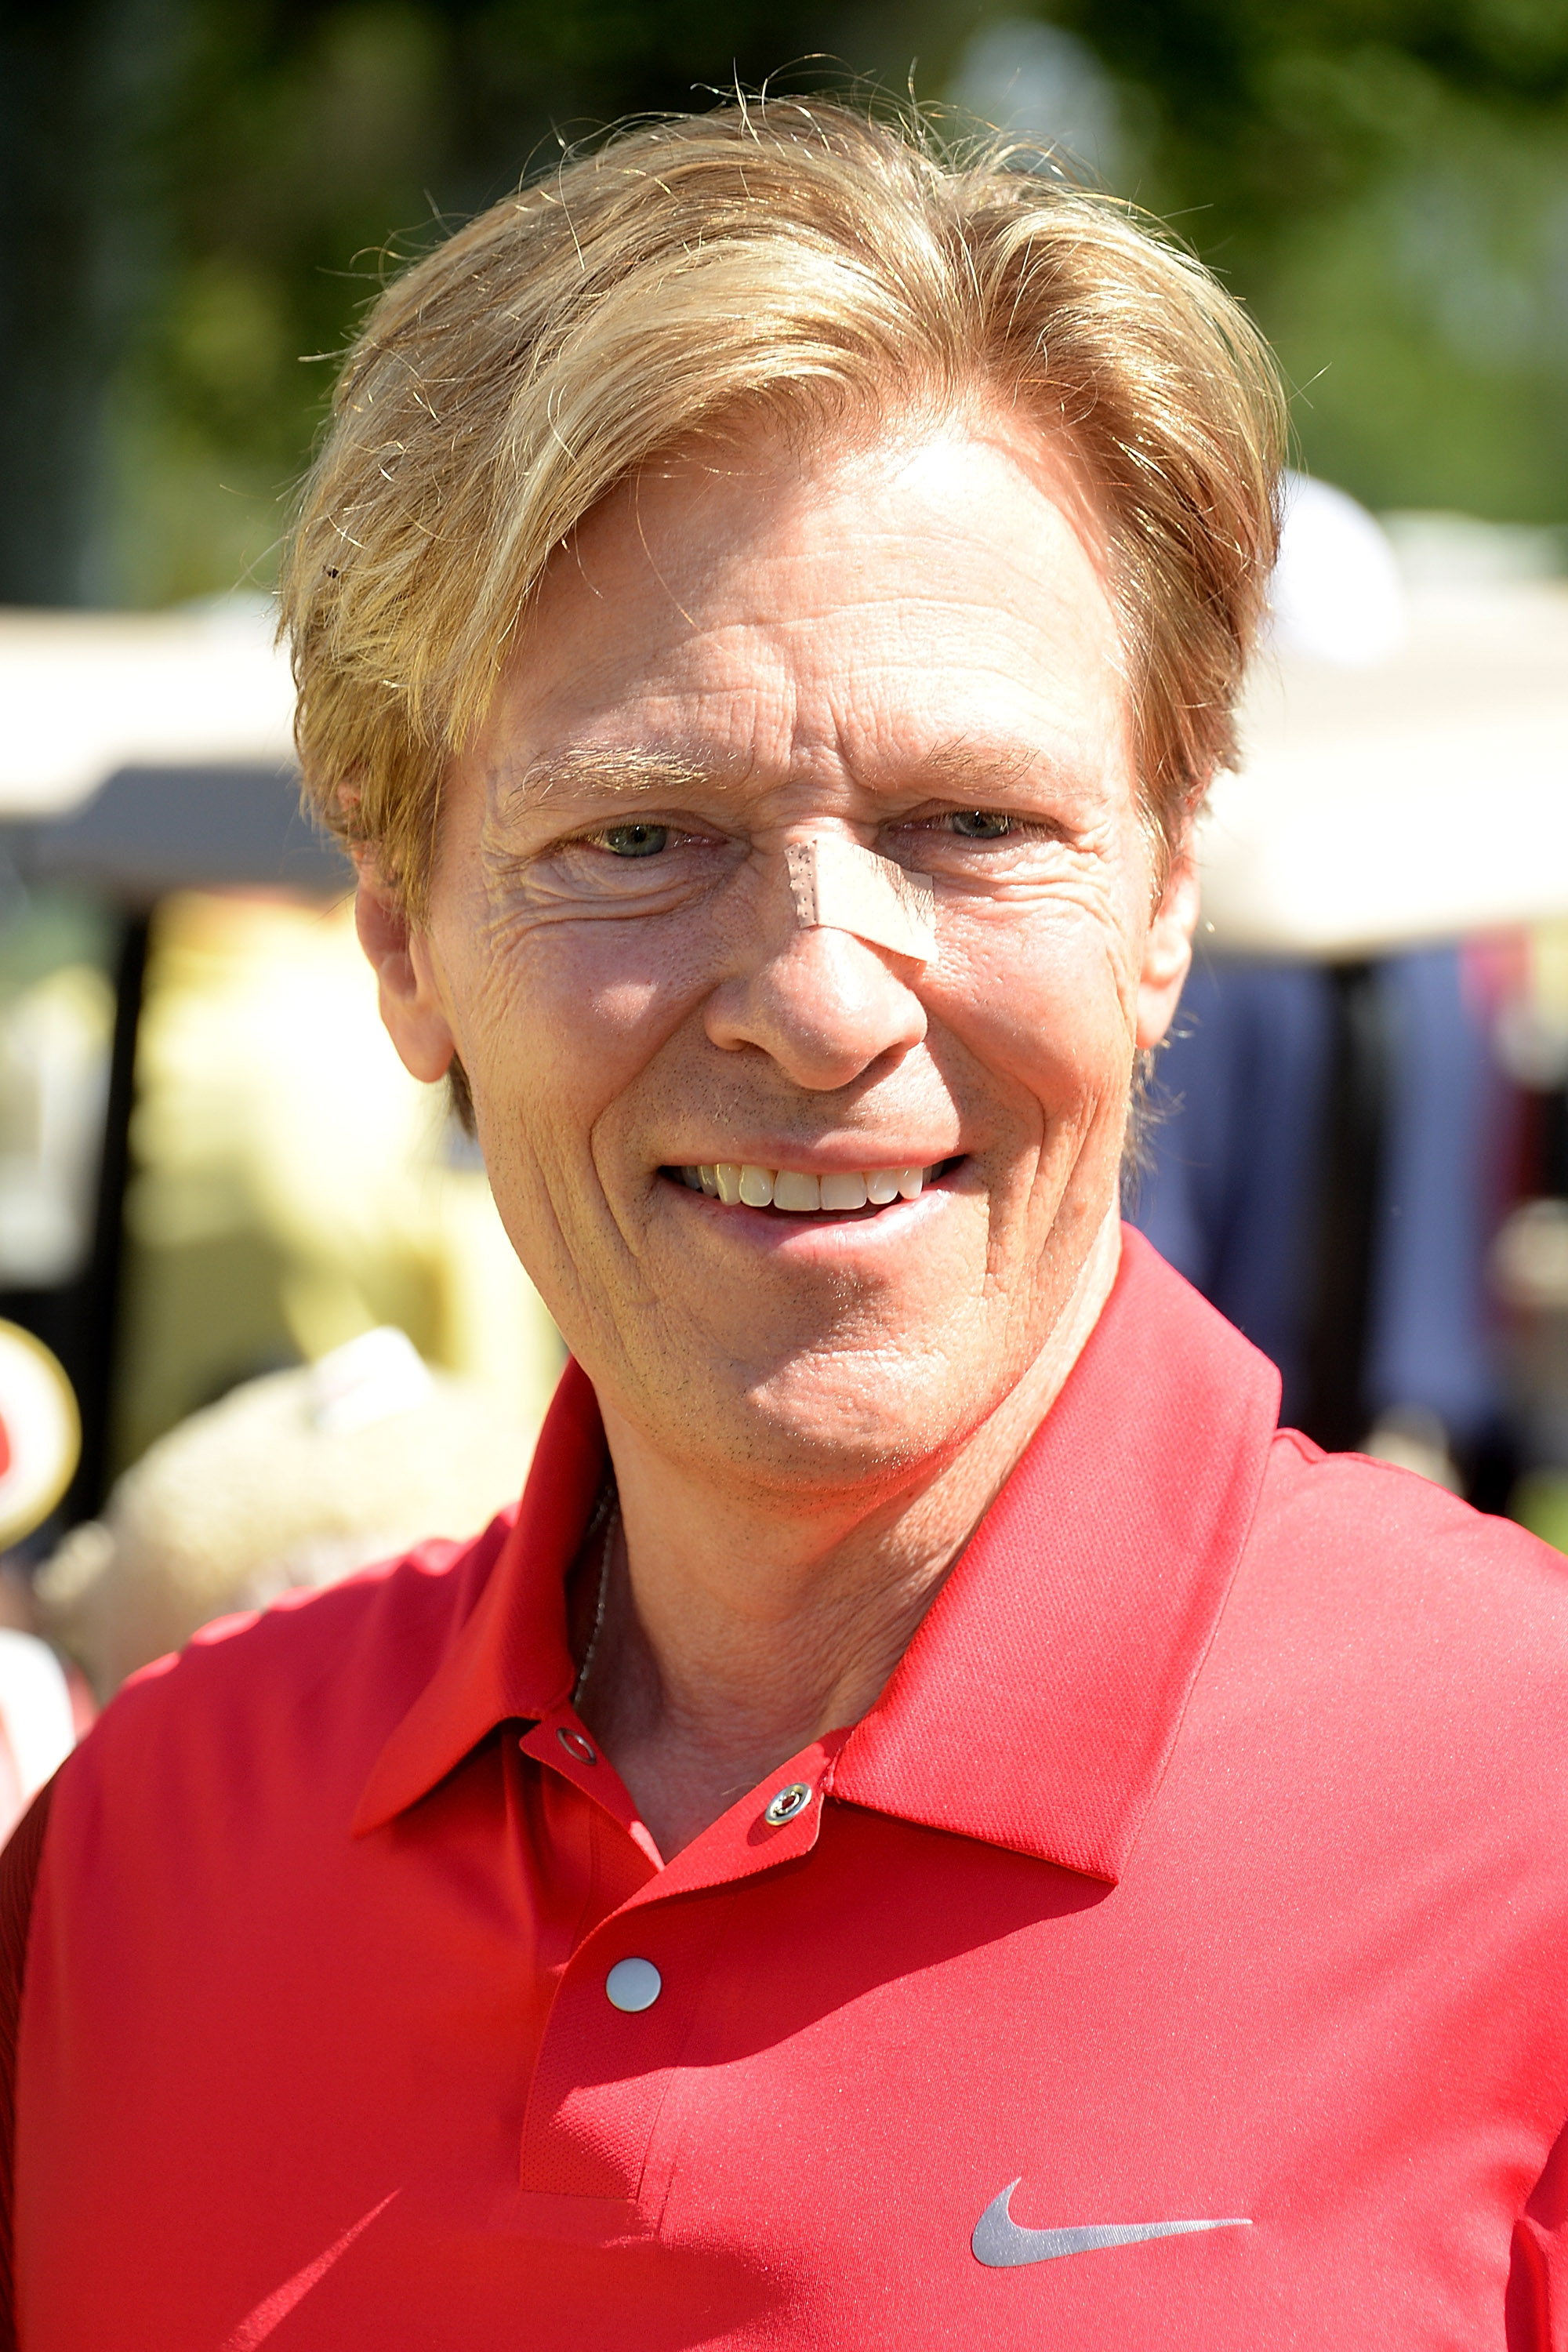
(807, 1162)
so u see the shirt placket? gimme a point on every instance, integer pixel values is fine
(633, 1989)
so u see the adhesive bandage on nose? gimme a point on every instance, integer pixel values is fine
(837, 886)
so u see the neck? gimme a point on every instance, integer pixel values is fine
(735, 1632)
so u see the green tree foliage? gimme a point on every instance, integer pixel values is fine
(198, 197)
(316, 146)
(1387, 182)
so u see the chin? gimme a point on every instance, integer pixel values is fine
(847, 1415)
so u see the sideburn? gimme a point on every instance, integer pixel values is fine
(460, 1098)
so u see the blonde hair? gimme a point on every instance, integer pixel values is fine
(811, 261)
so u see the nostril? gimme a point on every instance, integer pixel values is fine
(825, 1006)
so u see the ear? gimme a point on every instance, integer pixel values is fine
(1168, 950)
(411, 1006)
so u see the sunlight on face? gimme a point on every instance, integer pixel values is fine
(911, 647)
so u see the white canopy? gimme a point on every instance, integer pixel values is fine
(1419, 795)
(85, 694)
(1416, 798)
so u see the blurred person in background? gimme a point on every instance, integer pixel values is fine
(286, 1483)
(1362, 1273)
(935, 1816)
(1326, 1156)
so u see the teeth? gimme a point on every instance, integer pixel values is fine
(791, 1188)
(794, 1192)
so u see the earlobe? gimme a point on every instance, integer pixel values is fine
(1168, 951)
(411, 1007)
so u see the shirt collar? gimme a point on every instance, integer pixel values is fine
(511, 1658)
(1038, 1704)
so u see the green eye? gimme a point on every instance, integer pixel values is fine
(635, 840)
(981, 824)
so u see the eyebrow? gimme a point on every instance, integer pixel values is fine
(960, 767)
(594, 769)
(979, 768)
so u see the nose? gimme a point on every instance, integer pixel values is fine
(823, 1004)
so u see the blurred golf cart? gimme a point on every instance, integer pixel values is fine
(212, 1166)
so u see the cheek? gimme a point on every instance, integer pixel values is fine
(1046, 1007)
(555, 1019)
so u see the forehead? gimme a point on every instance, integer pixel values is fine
(752, 607)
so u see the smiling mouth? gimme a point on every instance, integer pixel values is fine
(798, 1194)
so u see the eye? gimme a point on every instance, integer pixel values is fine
(981, 824)
(632, 840)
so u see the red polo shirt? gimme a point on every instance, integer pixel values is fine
(1203, 1862)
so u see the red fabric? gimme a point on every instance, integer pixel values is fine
(18, 1876)
(1204, 1860)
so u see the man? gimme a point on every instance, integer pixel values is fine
(935, 1823)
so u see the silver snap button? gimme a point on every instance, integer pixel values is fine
(786, 1803)
(576, 1744)
(632, 1985)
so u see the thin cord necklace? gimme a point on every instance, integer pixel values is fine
(611, 1523)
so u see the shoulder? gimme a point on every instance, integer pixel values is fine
(1349, 1509)
(1380, 1579)
(312, 1686)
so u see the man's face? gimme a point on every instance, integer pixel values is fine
(911, 647)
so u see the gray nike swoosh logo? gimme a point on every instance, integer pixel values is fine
(1001, 2245)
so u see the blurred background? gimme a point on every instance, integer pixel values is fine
(199, 195)
(213, 1173)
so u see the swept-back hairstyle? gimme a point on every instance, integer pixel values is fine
(801, 259)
